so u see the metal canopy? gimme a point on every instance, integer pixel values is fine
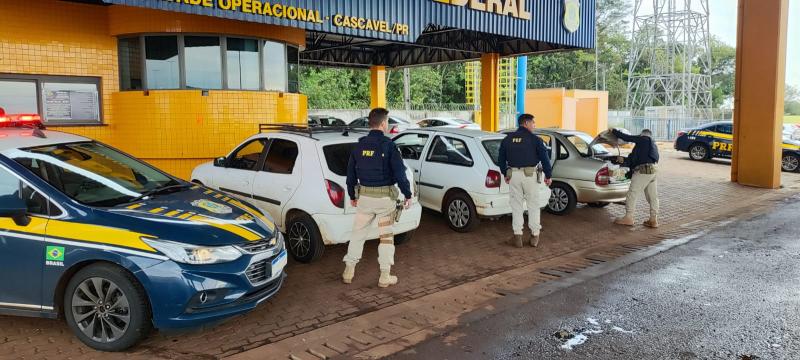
(434, 45)
(411, 32)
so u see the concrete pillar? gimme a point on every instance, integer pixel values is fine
(377, 86)
(758, 101)
(490, 85)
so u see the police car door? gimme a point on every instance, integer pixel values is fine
(22, 247)
(278, 178)
(722, 144)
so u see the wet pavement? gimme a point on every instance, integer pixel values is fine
(733, 293)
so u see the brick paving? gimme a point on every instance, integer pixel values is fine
(437, 259)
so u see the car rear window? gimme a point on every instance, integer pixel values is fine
(337, 156)
(493, 149)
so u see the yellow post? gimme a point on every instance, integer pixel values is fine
(490, 84)
(758, 101)
(377, 86)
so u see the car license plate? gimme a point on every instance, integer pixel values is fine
(279, 263)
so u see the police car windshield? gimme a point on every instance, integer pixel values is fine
(92, 173)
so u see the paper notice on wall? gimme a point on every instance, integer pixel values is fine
(71, 102)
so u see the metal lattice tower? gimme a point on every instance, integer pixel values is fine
(472, 83)
(671, 57)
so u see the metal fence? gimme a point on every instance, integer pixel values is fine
(663, 129)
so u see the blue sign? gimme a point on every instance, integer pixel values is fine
(570, 23)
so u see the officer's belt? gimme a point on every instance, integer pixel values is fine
(389, 191)
(647, 169)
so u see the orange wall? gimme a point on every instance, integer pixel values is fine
(174, 130)
(582, 110)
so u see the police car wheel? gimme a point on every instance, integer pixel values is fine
(303, 239)
(562, 199)
(459, 210)
(106, 308)
(790, 163)
(698, 152)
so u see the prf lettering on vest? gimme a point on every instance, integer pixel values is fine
(516, 140)
(368, 153)
(515, 8)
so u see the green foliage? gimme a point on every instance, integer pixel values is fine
(723, 68)
(334, 87)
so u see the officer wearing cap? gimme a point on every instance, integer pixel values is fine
(374, 168)
(642, 161)
(523, 157)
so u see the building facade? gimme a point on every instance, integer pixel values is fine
(180, 82)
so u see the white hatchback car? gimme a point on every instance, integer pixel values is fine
(449, 123)
(298, 176)
(456, 174)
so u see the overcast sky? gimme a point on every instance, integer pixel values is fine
(723, 25)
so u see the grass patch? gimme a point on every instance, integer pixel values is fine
(791, 119)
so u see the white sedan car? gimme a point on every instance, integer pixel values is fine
(448, 123)
(298, 176)
(456, 173)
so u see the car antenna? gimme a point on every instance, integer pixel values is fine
(39, 133)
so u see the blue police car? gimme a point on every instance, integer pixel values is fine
(716, 140)
(117, 247)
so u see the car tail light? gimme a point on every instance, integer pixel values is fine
(493, 179)
(394, 130)
(681, 133)
(335, 193)
(603, 177)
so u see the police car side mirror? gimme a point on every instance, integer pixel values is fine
(15, 208)
(220, 162)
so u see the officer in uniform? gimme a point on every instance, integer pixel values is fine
(523, 157)
(642, 161)
(374, 168)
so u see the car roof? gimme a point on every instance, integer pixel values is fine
(458, 131)
(15, 138)
(318, 136)
(441, 118)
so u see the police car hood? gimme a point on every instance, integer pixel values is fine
(196, 216)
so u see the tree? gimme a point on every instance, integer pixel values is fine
(576, 70)
(723, 69)
(791, 102)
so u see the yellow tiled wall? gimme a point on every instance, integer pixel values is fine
(178, 129)
(174, 130)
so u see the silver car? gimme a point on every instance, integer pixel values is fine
(583, 171)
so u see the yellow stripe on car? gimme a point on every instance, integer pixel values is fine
(80, 232)
(245, 233)
(255, 212)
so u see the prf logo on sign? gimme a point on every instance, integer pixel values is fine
(572, 15)
(514, 8)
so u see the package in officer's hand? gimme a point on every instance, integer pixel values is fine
(608, 137)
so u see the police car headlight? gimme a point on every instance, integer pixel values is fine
(193, 254)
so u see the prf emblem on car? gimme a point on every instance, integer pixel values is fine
(368, 153)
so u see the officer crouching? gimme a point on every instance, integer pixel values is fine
(374, 168)
(523, 158)
(642, 161)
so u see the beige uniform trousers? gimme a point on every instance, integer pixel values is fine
(642, 183)
(524, 192)
(368, 211)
